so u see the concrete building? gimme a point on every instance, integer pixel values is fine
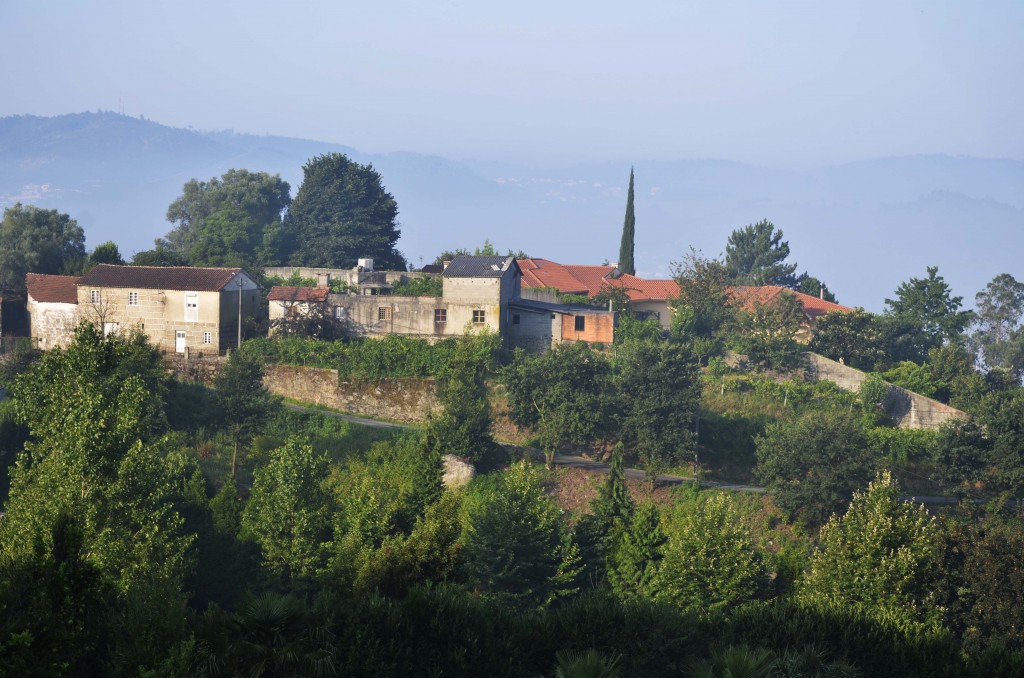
(181, 309)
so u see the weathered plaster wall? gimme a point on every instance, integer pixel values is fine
(408, 400)
(53, 324)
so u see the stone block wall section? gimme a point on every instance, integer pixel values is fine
(404, 400)
(908, 409)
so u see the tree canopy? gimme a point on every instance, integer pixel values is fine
(627, 246)
(34, 240)
(231, 221)
(998, 336)
(341, 213)
(756, 255)
(927, 305)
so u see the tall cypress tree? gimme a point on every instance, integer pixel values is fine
(628, 233)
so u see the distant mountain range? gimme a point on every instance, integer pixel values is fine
(862, 227)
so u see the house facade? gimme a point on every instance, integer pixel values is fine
(52, 303)
(181, 309)
(478, 293)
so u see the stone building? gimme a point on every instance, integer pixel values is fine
(478, 293)
(181, 309)
(52, 304)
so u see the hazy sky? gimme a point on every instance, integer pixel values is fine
(780, 83)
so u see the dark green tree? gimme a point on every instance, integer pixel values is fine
(808, 284)
(756, 255)
(659, 393)
(626, 248)
(242, 399)
(638, 553)
(105, 253)
(34, 240)
(561, 394)
(998, 337)
(766, 331)
(926, 304)
(463, 427)
(515, 548)
(159, 256)
(852, 338)
(813, 465)
(611, 512)
(341, 213)
(231, 221)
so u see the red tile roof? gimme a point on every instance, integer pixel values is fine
(184, 278)
(59, 289)
(814, 307)
(300, 294)
(590, 280)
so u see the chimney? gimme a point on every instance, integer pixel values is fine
(821, 293)
(445, 264)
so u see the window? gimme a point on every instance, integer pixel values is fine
(191, 307)
(440, 315)
(581, 323)
(479, 317)
(339, 312)
(133, 298)
(515, 318)
(207, 337)
(94, 296)
(383, 313)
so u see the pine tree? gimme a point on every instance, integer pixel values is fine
(628, 233)
(638, 554)
(613, 507)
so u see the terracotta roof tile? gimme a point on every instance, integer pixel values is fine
(301, 294)
(813, 306)
(184, 278)
(590, 280)
(59, 289)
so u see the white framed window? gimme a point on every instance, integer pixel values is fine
(339, 312)
(207, 337)
(191, 307)
(94, 296)
(133, 298)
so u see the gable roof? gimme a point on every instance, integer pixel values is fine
(54, 289)
(590, 280)
(478, 267)
(299, 294)
(183, 278)
(814, 307)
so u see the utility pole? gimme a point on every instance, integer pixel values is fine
(239, 309)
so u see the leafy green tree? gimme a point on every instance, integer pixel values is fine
(611, 512)
(34, 240)
(880, 558)
(159, 256)
(94, 456)
(242, 399)
(341, 213)
(463, 428)
(704, 306)
(288, 512)
(231, 221)
(626, 264)
(756, 255)
(226, 509)
(852, 338)
(956, 380)
(766, 332)
(926, 304)
(999, 338)
(515, 547)
(561, 394)
(659, 396)
(812, 465)
(913, 377)
(105, 253)
(709, 563)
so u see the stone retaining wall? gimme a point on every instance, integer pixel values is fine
(405, 400)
